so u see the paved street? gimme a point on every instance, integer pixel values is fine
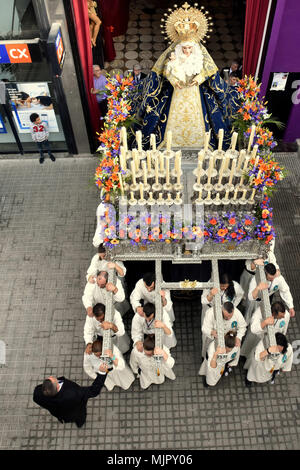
(47, 222)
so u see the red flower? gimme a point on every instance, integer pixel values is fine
(233, 235)
(213, 221)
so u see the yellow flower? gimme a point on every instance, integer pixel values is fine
(114, 241)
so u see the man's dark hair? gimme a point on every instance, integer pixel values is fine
(148, 309)
(97, 346)
(270, 268)
(49, 388)
(277, 307)
(99, 310)
(228, 306)
(103, 274)
(33, 117)
(230, 339)
(281, 341)
(101, 248)
(226, 279)
(234, 75)
(149, 342)
(148, 278)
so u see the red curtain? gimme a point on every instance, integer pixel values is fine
(85, 51)
(115, 16)
(256, 12)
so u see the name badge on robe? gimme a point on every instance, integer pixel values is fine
(234, 324)
(233, 355)
(281, 324)
(284, 358)
(275, 288)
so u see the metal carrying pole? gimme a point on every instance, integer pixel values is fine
(109, 315)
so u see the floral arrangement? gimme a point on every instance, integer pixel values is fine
(264, 174)
(107, 173)
(229, 228)
(264, 230)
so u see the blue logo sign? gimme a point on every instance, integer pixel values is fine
(234, 324)
(233, 355)
(275, 287)
(4, 59)
(284, 359)
(281, 324)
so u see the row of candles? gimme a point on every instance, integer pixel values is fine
(217, 159)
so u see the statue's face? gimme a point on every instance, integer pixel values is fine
(187, 50)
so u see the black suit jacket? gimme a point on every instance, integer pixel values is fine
(69, 404)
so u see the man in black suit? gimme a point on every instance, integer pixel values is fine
(67, 400)
(138, 75)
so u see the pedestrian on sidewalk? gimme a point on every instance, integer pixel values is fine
(40, 133)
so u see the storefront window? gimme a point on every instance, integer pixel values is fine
(18, 21)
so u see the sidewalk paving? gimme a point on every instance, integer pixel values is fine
(47, 222)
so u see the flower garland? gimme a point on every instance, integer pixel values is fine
(264, 230)
(264, 174)
(230, 227)
(107, 173)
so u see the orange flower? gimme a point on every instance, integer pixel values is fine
(213, 221)
(233, 235)
(232, 221)
(222, 232)
(248, 222)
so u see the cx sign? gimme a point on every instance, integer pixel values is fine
(17, 53)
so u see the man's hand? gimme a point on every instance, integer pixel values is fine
(269, 321)
(111, 265)
(273, 349)
(89, 311)
(88, 349)
(292, 312)
(140, 311)
(220, 350)
(214, 333)
(108, 352)
(262, 286)
(139, 346)
(259, 262)
(159, 324)
(238, 342)
(91, 279)
(106, 325)
(214, 291)
(110, 287)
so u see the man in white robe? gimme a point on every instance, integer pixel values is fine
(96, 325)
(250, 268)
(225, 284)
(212, 368)
(121, 375)
(99, 263)
(258, 328)
(275, 283)
(98, 293)
(146, 324)
(232, 320)
(148, 370)
(145, 290)
(262, 368)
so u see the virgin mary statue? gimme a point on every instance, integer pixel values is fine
(184, 92)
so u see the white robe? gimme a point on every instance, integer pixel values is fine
(256, 333)
(149, 370)
(98, 264)
(213, 375)
(239, 293)
(236, 323)
(140, 292)
(140, 327)
(261, 371)
(120, 376)
(100, 212)
(92, 328)
(246, 276)
(279, 284)
(93, 294)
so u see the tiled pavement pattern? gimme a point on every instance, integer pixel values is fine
(47, 219)
(144, 41)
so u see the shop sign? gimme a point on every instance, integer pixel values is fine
(15, 53)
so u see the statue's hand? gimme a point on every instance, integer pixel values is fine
(177, 85)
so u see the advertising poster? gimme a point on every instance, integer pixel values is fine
(28, 98)
(279, 81)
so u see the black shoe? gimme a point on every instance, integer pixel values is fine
(42, 159)
(248, 383)
(79, 424)
(205, 383)
(52, 157)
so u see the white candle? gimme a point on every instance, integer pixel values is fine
(162, 167)
(136, 159)
(234, 140)
(246, 163)
(235, 195)
(220, 136)
(156, 170)
(227, 160)
(121, 184)
(133, 172)
(241, 181)
(200, 194)
(244, 194)
(144, 172)
(208, 196)
(200, 157)
(149, 160)
(178, 176)
(177, 196)
(210, 168)
(131, 196)
(198, 174)
(179, 161)
(167, 171)
(232, 171)
(254, 151)
(218, 197)
(252, 195)
(169, 197)
(124, 138)
(153, 141)
(160, 198)
(241, 158)
(122, 159)
(138, 136)
(169, 140)
(258, 174)
(141, 191)
(227, 194)
(206, 140)
(221, 171)
(251, 137)
(151, 196)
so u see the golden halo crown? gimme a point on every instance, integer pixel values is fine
(187, 23)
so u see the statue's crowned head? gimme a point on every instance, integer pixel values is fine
(187, 23)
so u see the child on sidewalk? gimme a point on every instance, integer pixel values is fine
(40, 133)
